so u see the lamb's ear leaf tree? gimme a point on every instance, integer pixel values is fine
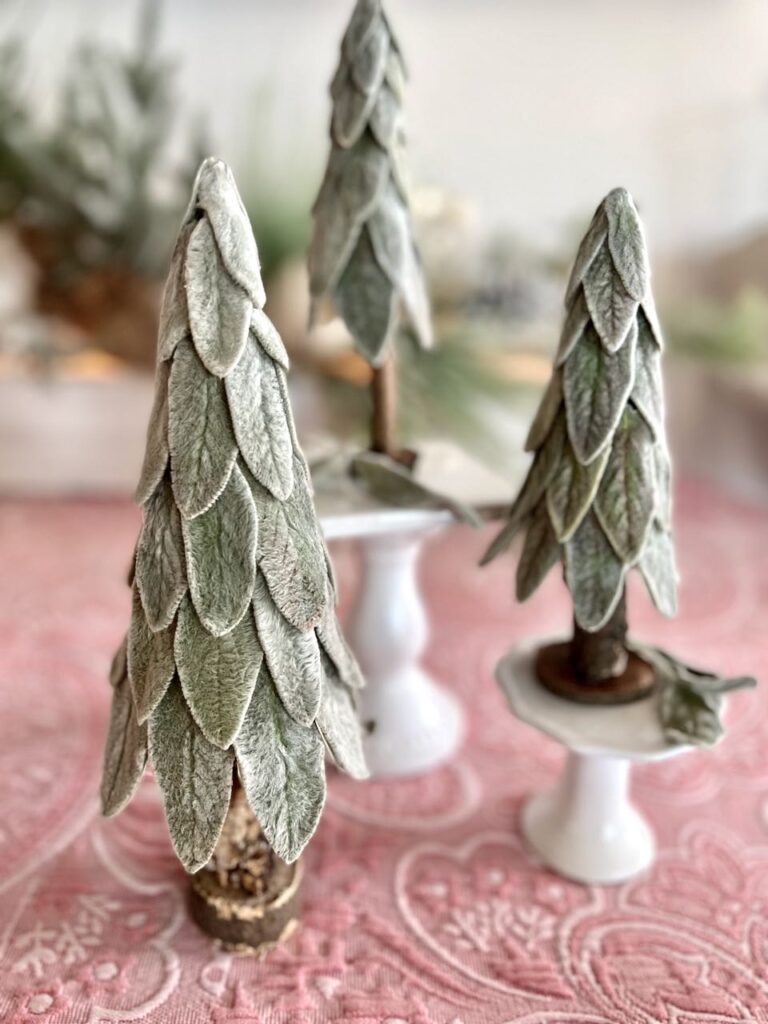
(363, 257)
(227, 670)
(597, 495)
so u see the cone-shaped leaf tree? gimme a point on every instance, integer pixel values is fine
(233, 663)
(597, 495)
(363, 255)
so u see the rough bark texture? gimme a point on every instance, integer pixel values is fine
(601, 655)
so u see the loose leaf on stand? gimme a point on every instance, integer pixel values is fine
(625, 500)
(280, 764)
(217, 674)
(125, 754)
(367, 301)
(203, 445)
(160, 571)
(657, 564)
(594, 574)
(260, 420)
(150, 661)
(541, 551)
(156, 453)
(293, 657)
(338, 724)
(611, 308)
(221, 557)
(572, 490)
(195, 780)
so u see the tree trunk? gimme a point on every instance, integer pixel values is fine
(384, 397)
(601, 655)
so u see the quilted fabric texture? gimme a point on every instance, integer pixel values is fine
(421, 904)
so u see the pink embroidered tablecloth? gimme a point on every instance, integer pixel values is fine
(421, 904)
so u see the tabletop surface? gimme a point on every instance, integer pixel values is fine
(421, 904)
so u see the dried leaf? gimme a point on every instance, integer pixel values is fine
(367, 302)
(596, 235)
(625, 500)
(260, 420)
(337, 649)
(572, 491)
(550, 405)
(281, 767)
(195, 780)
(221, 557)
(594, 574)
(626, 243)
(338, 724)
(293, 657)
(576, 319)
(125, 753)
(203, 445)
(219, 309)
(160, 573)
(611, 307)
(596, 385)
(217, 674)
(150, 661)
(174, 315)
(657, 564)
(156, 453)
(541, 551)
(648, 390)
(267, 336)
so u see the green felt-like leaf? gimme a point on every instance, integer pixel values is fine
(540, 475)
(386, 120)
(594, 574)
(267, 336)
(260, 421)
(593, 240)
(572, 491)
(367, 301)
(281, 766)
(292, 655)
(396, 72)
(338, 724)
(596, 386)
(649, 310)
(625, 501)
(156, 453)
(160, 571)
(626, 243)
(203, 445)
(174, 315)
(611, 307)
(337, 649)
(125, 753)
(368, 65)
(351, 111)
(550, 405)
(648, 391)
(663, 486)
(390, 482)
(217, 674)
(195, 780)
(219, 309)
(118, 669)
(391, 238)
(217, 194)
(291, 553)
(657, 564)
(541, 551)
(576, 319)
(365, 20)
(221, 557)
(150, 661)
(690, 717)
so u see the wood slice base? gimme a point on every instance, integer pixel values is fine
(555, 671)
(245, 923)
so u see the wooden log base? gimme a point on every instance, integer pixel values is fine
(555, 671)
(245, 923)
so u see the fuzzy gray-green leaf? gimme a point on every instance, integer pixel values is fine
(351, 111)
(626, 243)
(648, 390)
(610, 305)
(339, 726)
(268, 337)
(150, 661)
(368, 66)
(217, 674)
(594, 574)
(118, 669)
(572, 491)
(203, 445)
(594, 239)
(365, 20)
(160, 572)
(281, 766)
(336, 647)
(292, 655)
(549, 406)
(385, 120)
(625, 500)
(596, 385)
(260, 420)
(125, 752)
(219, 309)
(541, 551)
(195, 779)
(663, 485)
(156, 452)
(576, 319)
(657, 564)
(221, 557)
(174, 315)
(367, 301)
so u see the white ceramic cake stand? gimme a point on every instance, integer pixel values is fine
(415, 723)
(587, 828)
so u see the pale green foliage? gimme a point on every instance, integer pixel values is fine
(362, 252)
(600, 457)
(233, 590)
